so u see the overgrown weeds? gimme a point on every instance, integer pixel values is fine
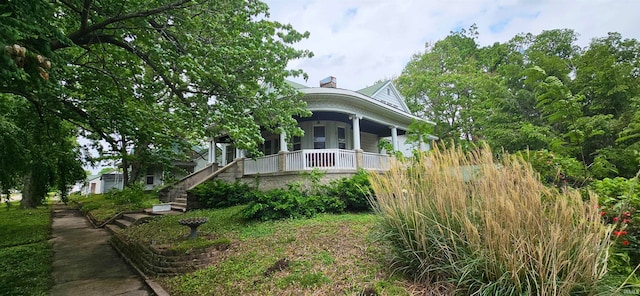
(490, 227)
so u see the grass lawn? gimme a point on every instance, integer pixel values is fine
(102, 208)
(325, 255)
(25, 254)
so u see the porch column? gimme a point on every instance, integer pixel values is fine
(394, 138)
(282, 154)
(356, 131)
(212, 151)
(224, 154)
(239, 153)
(283, 142)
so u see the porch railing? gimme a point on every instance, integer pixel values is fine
(267, 164)
(325, 159)
(375, 161)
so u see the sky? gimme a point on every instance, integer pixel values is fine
(363, 41)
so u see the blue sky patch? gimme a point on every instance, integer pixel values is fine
(346, 17)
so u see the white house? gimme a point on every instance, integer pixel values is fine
(340, 137)
(97, 184)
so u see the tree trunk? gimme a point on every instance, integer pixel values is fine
(125, 172)
(33, 192)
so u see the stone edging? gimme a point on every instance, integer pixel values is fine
(155, 287)
(158, 261)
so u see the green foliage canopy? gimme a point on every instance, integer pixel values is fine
(147, 77)
(534, 92)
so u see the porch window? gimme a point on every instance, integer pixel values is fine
(230, 153)
(297, 143)
(342, 138)
(319, 138)
(267, 148)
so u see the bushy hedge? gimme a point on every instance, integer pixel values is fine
(218, 194)
(133, 195)
(297, 201)
(354, 192)
(290, 203)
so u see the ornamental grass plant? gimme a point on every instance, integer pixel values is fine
(489, 227)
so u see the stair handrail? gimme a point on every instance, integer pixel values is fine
(215, 173)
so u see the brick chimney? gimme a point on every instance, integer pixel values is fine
(329, 82)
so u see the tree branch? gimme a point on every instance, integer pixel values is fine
(145, 57)
(70, 6)
(161, 30)
(81, 34)
(84, 16)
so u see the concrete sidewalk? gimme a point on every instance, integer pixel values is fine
(84, 263)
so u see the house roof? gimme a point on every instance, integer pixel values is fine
(328, 99)
(386, 108)
(296, 85)
(371, 90)
(92, 177)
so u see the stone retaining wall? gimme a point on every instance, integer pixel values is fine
(158, 261)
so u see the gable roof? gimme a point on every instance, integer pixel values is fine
(92, 177)
(392, 97)
(370, 90)
(296, 85)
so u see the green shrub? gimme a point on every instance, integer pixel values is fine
(501, 233)
(132, 194)
(354, 192)
(619, 204)
(290, 203)
(556, 169)
(218, 194)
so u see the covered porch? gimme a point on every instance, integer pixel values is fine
(333, 141)
(309, 159)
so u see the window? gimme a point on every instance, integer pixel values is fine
(297, 143)
(150, 176)
(342, 138)
(230, 153)
(388, 91)
(267, 148)
(319, 138)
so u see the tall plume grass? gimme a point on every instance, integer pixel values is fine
(490, 228)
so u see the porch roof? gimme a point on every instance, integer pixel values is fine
(366, 125)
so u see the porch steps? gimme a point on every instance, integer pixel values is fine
(180, 203)
(128, 219)
(178, 207)
(176, 194)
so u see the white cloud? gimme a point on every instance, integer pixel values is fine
(361, 41)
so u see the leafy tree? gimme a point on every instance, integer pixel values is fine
(449, 84)
(535, 92)
(39, 153)
(148, 77)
